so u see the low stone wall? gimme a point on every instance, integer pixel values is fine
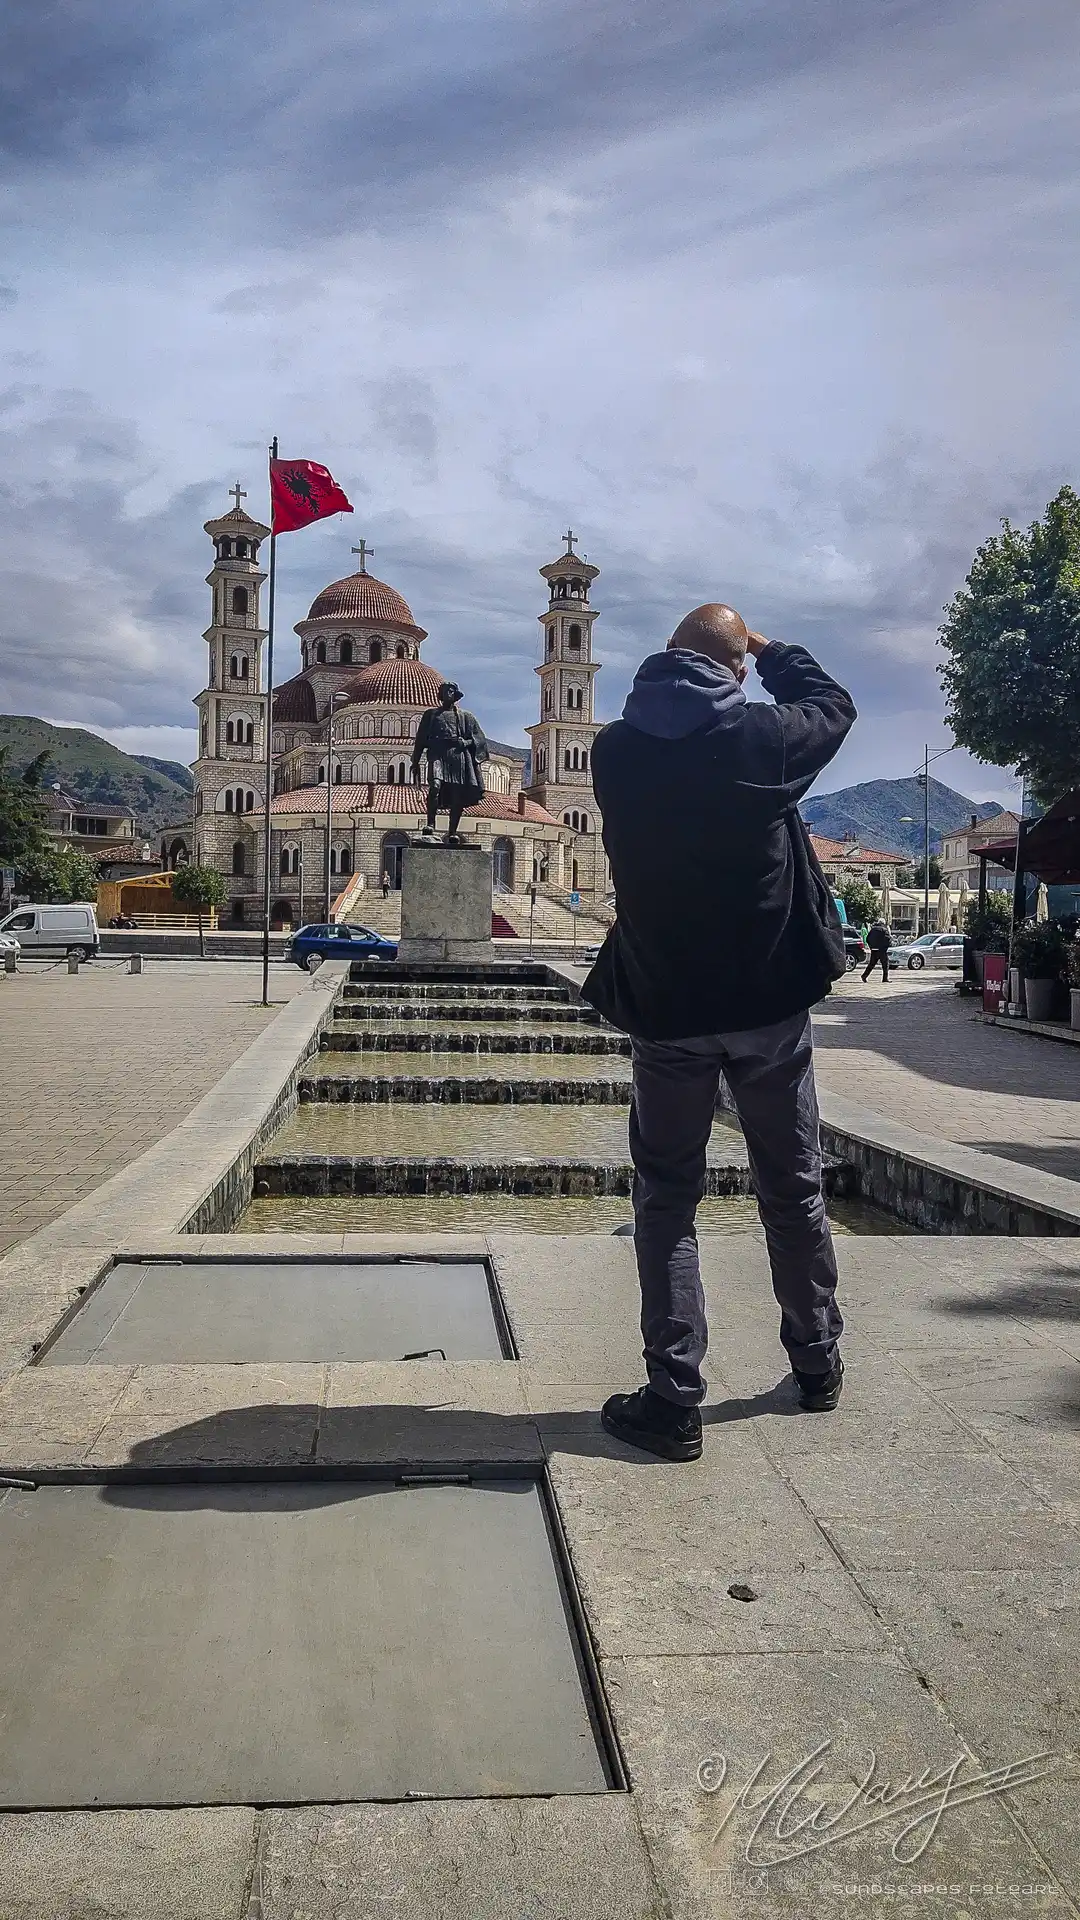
(936, 1185)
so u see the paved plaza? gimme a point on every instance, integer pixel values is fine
(915, 1052)
(96, 1067)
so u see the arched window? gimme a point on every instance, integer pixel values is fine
(320, 652)
(225, 550)
(566, 760)
(238, 857)
(344, 860)
(345, 652)
(375, 651)
(198, 800)
(551, 640)
(401, 650)
(502, 865)
(228, 733)
(547, 699)
(234, 666)
(228, 799)
(239, 597)
(367, 726)
(574, 637)
(243, 666)
(584, 762)
(337, 773)
(584, 823)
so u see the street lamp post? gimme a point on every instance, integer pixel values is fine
(924, 778)
(335, 698)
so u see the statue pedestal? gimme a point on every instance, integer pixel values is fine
(445, 904)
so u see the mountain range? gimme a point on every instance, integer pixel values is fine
(887, 815)
(92, 769)
(159, 791)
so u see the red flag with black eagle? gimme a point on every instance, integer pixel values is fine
(301, 491)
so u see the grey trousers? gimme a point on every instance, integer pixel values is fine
(770, 1072)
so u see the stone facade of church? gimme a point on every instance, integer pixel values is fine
(343, 730)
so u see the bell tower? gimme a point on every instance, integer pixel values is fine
(228, 773)
(563, 736)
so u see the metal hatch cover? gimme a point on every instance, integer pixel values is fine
(196, 1311)
(283, 1643)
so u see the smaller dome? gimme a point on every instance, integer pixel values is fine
(363, 598)
(294, 701)
(399, 683)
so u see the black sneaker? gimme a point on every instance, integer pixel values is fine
(645, 1419)
(819, 1392)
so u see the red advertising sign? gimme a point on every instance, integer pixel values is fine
(995, 991)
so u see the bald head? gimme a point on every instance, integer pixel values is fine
(716, 631)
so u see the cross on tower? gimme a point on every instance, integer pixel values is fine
(238, 493)
(364, 551)
(570, 536)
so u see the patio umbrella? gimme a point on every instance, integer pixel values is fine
(944, 908)
(1042, 902)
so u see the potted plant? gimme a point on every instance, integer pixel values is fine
(988, 927)
(1039, 953)
(1073, 968)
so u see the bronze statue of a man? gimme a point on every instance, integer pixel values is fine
(455, 746)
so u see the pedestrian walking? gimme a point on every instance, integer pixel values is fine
(726, 934)
(385, 885)
(879, 940)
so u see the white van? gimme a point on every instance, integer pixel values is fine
(71, 929)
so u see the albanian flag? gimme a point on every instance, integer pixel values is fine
(300, 492)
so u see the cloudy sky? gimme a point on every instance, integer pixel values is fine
(775, 303)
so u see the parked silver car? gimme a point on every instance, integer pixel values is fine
(930, 950)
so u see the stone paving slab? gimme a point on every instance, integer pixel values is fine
(657, 1550)
(493, 1860)
(183, 1863)
(694, 1732)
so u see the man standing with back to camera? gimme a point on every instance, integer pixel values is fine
(726, 934)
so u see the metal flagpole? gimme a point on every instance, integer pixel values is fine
(269, 747)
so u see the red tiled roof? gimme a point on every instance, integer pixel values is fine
(399, 683)
(294, 701)
(361, 597)
(411, 801)
(850, 850)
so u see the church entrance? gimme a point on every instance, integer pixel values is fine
(502, 866)
(390, 854)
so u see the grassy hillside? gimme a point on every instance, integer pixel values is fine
(874, 812)
(93, 770)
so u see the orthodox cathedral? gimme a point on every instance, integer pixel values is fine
(343, 730)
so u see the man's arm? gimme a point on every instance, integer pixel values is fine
(815, 712)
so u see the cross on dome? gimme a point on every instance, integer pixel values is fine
(364, 551)
(570, 536)
(238, 493)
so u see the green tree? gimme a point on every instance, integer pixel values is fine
(860, 901)
(1012, 636)
(23, 835)
(60, 873)
(202, 888)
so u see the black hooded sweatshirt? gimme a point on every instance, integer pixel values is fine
(724, 919)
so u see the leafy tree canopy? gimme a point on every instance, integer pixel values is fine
(1012, 637)
(201, 888)
(23, 837)
(860, 901)
(913, 876)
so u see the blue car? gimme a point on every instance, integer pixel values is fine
(312, 945)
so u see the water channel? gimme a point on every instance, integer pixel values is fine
(492, 1100)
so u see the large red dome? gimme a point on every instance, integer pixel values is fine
(361, 597)
(399, 683)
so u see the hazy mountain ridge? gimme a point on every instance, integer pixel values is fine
(92, 769)
(874, 812)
